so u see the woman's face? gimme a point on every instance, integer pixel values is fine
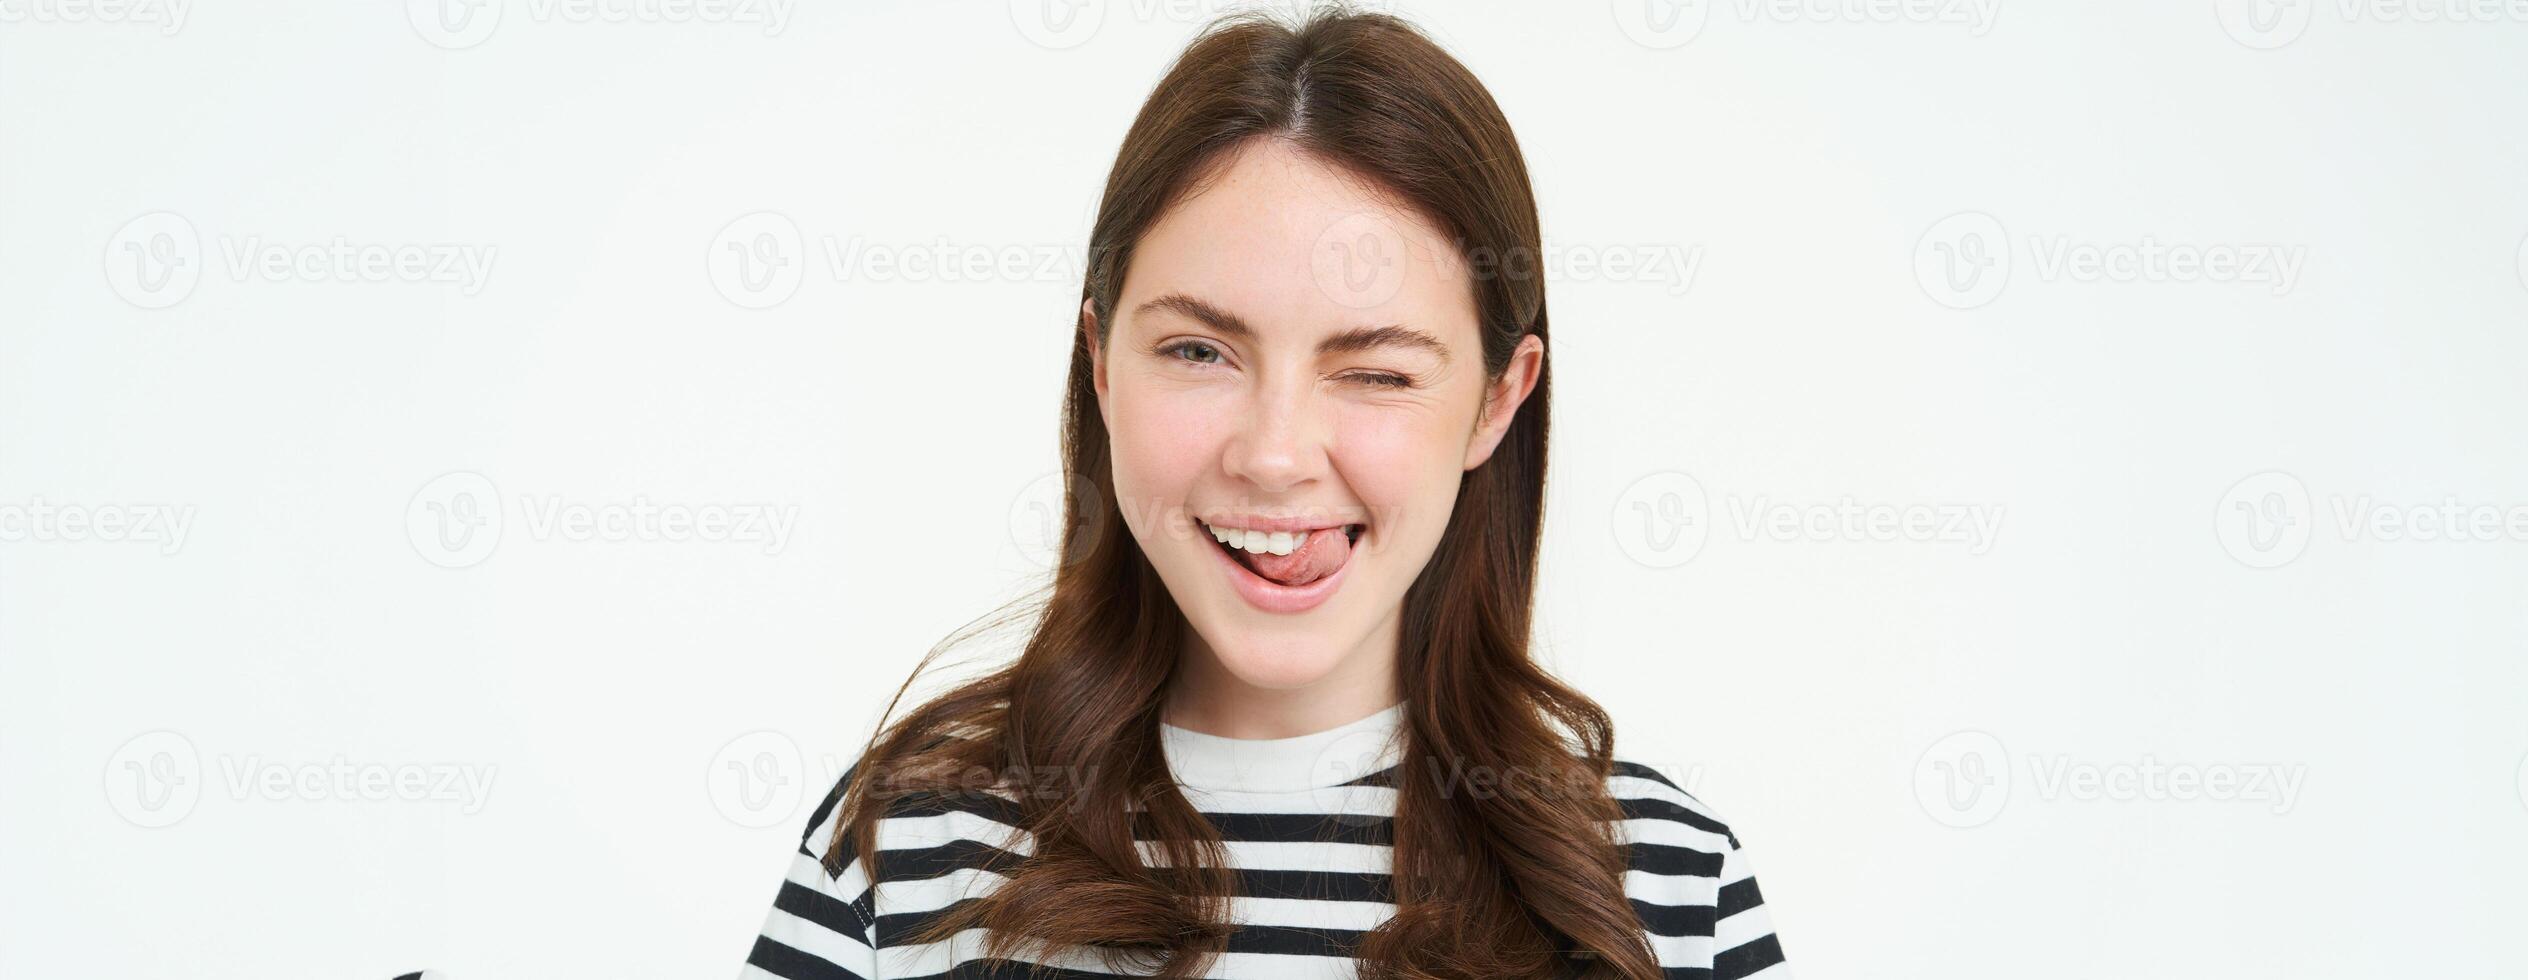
(1290, 350)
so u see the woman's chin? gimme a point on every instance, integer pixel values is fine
(1263, 663)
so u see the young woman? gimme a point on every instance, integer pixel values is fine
(1287, 725)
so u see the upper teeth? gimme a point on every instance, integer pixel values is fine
(1259, 542)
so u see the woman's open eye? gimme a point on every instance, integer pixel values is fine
(1180, 348)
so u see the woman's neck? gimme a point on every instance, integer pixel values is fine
(1315, 762)
(1205, 697)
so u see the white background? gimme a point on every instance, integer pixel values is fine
(1900, 727)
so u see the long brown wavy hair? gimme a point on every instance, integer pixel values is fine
(1488, 885)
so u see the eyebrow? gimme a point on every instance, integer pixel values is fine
(1349, 341)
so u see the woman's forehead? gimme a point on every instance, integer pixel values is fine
(1285, 240)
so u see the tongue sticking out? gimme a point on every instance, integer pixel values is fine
(1325, 550)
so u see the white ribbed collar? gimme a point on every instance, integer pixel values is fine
(1282, 765)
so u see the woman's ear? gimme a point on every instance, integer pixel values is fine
(1502, 398)
(1096, 352)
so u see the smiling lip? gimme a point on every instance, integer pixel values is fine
(1294, 525)
(1273, 597)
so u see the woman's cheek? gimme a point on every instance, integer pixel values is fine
(1164, 441)
(1397, 463)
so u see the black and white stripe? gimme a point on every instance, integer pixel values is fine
(1311, 872)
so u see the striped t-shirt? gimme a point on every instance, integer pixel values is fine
(1306, 825)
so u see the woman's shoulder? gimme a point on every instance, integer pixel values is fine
(1652, 797)
(1690, 879)
(914, 820)
(1679, 848)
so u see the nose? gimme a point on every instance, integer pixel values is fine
(1282, 441)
